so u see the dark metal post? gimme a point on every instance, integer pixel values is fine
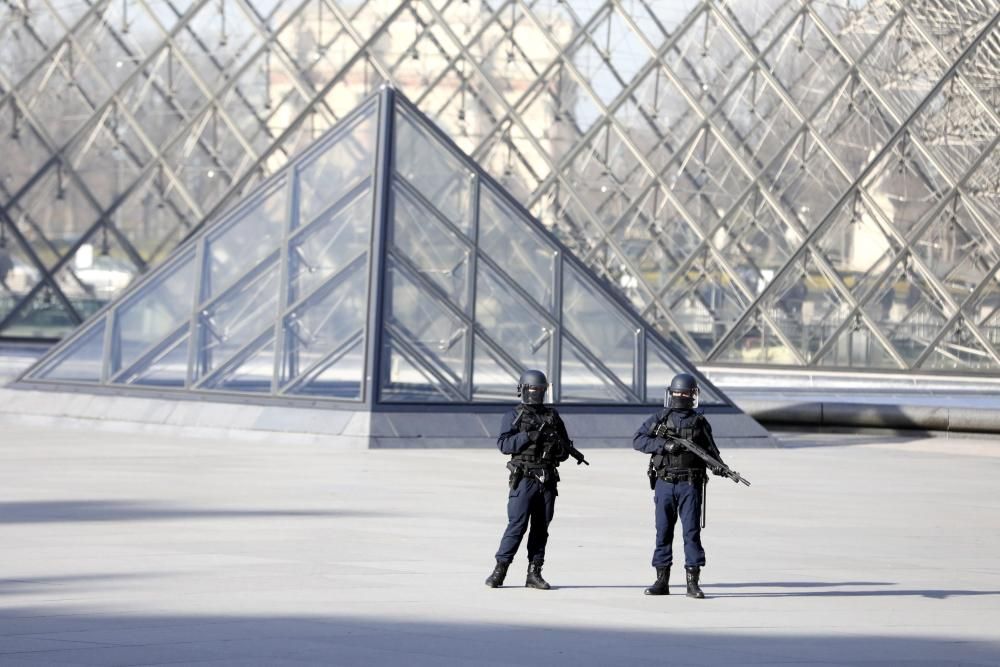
(381, 210)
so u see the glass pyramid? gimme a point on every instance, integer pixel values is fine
(380, 252)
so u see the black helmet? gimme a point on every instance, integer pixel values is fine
(532, 386)
(682, 393)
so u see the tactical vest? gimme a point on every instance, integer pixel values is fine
(532, 419)
(686, 424)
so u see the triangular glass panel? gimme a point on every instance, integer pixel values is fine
(437, 174)
(255, 374)
(511, 322)
(582, 379)
(154, 309)
(167, 368)
(253, 233)
(339, 375)
(325, 326)
(599, 325)
(493, 380)
(440, 254)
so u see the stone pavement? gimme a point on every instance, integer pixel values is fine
(119, 549)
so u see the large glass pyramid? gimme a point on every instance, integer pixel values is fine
(381, 252)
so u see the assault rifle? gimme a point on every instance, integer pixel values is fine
(713, 462)
(550, 434)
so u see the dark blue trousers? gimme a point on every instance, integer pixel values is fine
(528, 504)
(681, 500)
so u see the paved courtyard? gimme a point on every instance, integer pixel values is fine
(119, 549)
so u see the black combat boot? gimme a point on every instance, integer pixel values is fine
(534, 579)
(692, 579)
(495, 580)
(661, 585)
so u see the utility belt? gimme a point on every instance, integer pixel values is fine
(675, 475)
(540, 472)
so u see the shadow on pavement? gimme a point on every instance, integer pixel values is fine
(37, 636)
(61, 511)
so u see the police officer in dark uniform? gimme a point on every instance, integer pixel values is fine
(678, 478)
(536, 438)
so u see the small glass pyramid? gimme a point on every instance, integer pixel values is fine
(382, 252)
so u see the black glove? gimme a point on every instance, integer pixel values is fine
(718, 470)
(534, 435)
(660, 430)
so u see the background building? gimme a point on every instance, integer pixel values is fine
(795, 183)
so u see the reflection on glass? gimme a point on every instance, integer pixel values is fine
(243, 243)
(582, 381)
(152, 313)
(435, 173)
(431, 247)
(594, 320)
(81, 362)
(330, 323)
(340, 376)
(167, 369)
(490, 380)
(227, 326)
(340, 167)
(338, 237)
(430, 341)
(510, 323)
(512, 242)
(253, 375)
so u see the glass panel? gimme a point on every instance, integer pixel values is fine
(510, 322)
(340, 378)
(408, 377)
(434, 250)
(225, 327)
(81, 362)
(341, 165)
(330, 322)
(427, 334)
(490, 381)
(253, 375)
(243, 243)
(592, 318)
(510, 240)
(166, 370)
(581, 381)
(436, 174)
(340, 236)
(156, 310)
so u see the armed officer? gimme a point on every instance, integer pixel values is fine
(536, 438)
(678, 479)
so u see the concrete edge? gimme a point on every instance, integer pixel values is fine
(866, 415)
(340, 429)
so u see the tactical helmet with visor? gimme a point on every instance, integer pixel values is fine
(682, 392)
(532, 386)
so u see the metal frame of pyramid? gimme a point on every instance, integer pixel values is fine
(379, 267)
